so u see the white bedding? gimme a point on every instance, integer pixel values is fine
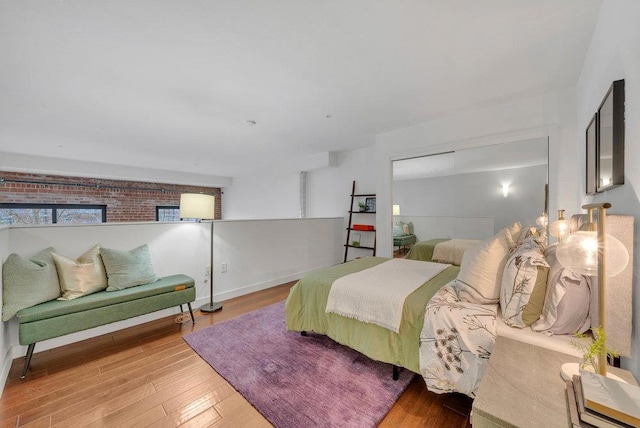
(451, 251)
(376, 295)
(458, 337)
(456, 342)
(558, 342)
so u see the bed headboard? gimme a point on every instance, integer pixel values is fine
(619, 288)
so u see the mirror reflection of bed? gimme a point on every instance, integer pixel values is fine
(466, 195)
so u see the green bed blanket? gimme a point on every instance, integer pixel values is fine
(307, 300)
(423, 250)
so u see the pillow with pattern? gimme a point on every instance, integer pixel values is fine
(524, 285)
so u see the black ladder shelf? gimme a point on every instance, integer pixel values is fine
(347, 244)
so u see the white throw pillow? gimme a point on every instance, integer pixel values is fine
(514, 232)
(481, 269)
(567, 305)
(524, 285)
(82, 276)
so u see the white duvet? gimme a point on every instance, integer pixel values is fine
(376, 295)
(456, 342)
(451, 251)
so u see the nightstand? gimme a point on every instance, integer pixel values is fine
(522, 387)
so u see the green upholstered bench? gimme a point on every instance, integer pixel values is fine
(404, 240)
(60, 317)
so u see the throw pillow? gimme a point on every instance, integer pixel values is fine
(513, 233)
(397, 230)
(567, 305)
(524, 285)
(537, 232)
(481, 269)
(27, 282)
(82, 276)
(128, 268)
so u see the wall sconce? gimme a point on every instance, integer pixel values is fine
(505, 189)
(559, 228)
(396, 210)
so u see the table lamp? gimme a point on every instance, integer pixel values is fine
(592, 251)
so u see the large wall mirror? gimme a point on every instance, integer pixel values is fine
(470, 193)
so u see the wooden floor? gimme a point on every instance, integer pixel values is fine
(148, 376)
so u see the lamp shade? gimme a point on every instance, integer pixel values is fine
(579, 252)
(197, 205)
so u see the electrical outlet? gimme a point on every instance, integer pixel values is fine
(223, 267)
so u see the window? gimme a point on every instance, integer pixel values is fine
(52, 213)
(167, 213)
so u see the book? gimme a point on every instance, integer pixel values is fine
(610, 397)
(574, 416)
(590, 416)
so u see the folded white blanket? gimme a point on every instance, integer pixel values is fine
(376, 295)
(451, 251)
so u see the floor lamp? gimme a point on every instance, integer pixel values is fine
(591, 251)
(202, 207)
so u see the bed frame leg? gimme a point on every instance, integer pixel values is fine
(396, 372)
(27, 360)
(303, 333)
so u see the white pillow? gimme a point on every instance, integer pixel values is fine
(481, 269)
(514, 232)
(567, 305)
(82, 276)
(524, 285)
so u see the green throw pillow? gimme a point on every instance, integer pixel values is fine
(128, 268)
(27, 282)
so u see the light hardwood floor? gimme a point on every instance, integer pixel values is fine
(148, 376)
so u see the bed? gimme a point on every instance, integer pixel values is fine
(307, 301)
(444, 250)
(446, 334)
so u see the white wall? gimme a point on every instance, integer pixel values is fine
(277, 194)
(551, 115)
(614, 53)
(5, 334)
(262, 253)
(477, 194)
(255, 197)
(258, 254)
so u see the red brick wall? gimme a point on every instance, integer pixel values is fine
(125, 200)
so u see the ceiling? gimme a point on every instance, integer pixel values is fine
(171, 85)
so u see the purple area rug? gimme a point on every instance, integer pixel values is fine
(297, 381)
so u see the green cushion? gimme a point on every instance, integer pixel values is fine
(56, 308)
(128, 268)
(36, 331)
(404, 240)
(27, 282)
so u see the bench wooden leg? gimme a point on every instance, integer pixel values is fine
(193, 320)
(27, 360)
